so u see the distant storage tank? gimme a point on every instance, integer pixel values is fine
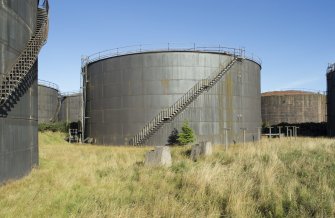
(293, 106)
(49, 102)
(331, 99)
(18, 101)
(128, 96)
(71, 107)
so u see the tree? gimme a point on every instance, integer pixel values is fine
(187, 134)
(173, 137)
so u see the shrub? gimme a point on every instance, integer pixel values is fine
(54, 127)
(173, 137)
(187, 134)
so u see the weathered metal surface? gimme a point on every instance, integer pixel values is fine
(293, 107)
(71, 108)
(331, 99)
(48, 103)
(17, 24)
(18, 131)
(125, 92)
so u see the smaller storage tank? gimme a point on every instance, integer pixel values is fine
(293, 106)
(48, 101)
(331, 99)
(71, 108)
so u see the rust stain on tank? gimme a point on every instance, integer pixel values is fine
(165, 84)
(229, 103)
(225, 100)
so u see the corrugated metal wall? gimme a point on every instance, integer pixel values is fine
(71, 108)
(291, 108)
(18, 131)
(126, 92)
(48, 103)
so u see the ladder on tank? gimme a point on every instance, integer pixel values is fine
(181, 104)
(20, 73)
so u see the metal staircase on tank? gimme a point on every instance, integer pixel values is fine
(20, 73)
(181, 104)
(59, 106)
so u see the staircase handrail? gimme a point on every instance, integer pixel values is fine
(25, 49)
(184, 100)
(39, 37)
(48, 84)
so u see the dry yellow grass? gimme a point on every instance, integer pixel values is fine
(274, 178)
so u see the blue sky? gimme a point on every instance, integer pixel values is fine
(294, 38)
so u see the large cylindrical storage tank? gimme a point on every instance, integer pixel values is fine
(49, 102)
(125, 92)
(18, 127)
(71, 107)
(331, 99)
(293, 106)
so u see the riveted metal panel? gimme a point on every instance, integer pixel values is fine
(18, 141)
(48, 104)
(71, 108)
(18, 130)
(131, 90)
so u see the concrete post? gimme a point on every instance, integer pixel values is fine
(244, 129)
(279, 130)
(270, 132)
(287, 131)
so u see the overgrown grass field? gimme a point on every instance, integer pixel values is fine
(273, 178)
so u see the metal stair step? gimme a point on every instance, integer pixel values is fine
(20, 71)
(181, 104)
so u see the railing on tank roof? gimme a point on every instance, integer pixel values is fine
(72, 93)
(133, 49)
(313, 91)
(48, 84)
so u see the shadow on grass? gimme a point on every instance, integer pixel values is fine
(187, 153)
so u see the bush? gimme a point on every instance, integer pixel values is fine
(173, 137)
(187, 134)
(54, 127)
